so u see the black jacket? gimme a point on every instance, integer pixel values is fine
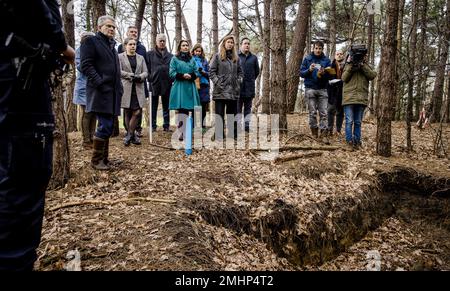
(158, 72)
(250, 66)
(335, 88)
(100, 64)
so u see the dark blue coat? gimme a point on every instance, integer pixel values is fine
(204, 79)
(100, 64)
(250, 66)
(311, 79)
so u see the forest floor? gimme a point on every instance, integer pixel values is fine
(230, 210)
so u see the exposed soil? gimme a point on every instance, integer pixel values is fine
(230, 210)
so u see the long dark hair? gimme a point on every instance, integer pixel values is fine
(179, 48)
(198, 46)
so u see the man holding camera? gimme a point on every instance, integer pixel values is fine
(315, 70)
(357, 75)
(32, 43)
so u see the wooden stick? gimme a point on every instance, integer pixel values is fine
(87, 202)
(303, 148)
(162, 147)
(280, 160)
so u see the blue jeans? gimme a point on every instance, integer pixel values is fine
(353, 119)
(105, 125)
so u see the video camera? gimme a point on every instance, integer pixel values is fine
(357, 54)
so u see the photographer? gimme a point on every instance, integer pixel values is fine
(356, 77)
(31, 36)
(314, 71)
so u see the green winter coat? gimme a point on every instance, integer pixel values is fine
(184, 93)
(356, 85)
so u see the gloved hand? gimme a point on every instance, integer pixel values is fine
(137, 79)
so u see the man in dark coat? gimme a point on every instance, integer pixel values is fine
(133, 33)
(250, 66)
(100, 64)
(158, 76)
(335, 109)
(26, 125)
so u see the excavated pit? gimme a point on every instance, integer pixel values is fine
(336, 223)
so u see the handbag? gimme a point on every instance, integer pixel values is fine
(197, 83)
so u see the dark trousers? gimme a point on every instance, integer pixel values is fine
(25, 170)
(127, 114)
(88, 121)
(105, 125)
(246, 104)
(205, 106)
(335, 112)
(166, 112)
(230, 107)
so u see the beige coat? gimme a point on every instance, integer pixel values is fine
(127, 79)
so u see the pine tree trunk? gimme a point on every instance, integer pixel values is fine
(371, 53)
(421, 78)
(178, 28)
(296, 54)
(332, 27)
(154, 29)
(438, 91)
(258, 98)
(278, 77)
(398, 109)
(199, 20)
(411, 73)
(162, 24)
(88, 11)
(235, 7)
(98, 9)
(215, 28)
(69, 29)
(187, 33)
(266, 59)
(61, 154)
(140, 16)
(388, 79)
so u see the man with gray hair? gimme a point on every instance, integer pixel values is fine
(160, 83)
(100, 64)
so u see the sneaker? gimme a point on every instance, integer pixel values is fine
(167, 129)
(136, 140)
(127, 140)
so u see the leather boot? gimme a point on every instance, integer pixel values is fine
(127, 140)
(106, 153)
(324, 136)
(315, 132)
(135, 140)
(86, 132)
(98, 155)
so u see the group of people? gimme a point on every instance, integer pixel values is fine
(110, 80)
(334, 89)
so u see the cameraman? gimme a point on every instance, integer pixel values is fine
(26, 123)
(356, 77)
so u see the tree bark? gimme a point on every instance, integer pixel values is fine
(266, 59)
(421, 78)
(398, 108)
(411, 74)
(140, 16)
(296, 54)
(154, 29)
(69, 29)
(235, 6)
(61, 154)
(161, 17)
(215, 28)
(178, 28)
(187, 33)
(278, 44)
(438, 91)
(388, 79)
(332, 28)
(98, 9)
(199, 20)
(89, 26)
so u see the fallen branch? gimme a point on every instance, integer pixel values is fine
(302, 148)
(280, 160)
(162, 147)
(88, 202)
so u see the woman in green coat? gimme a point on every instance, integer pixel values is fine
(184, 94)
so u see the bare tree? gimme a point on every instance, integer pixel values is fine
(140, 15)
(411, 73)
(388, 79)
(215, 28)
(438, 91)
(154, 31)
(178, 28)
(199, 20)
(296, 54)
(421, 80)
(278, 77)
(187, 34)
(235, 5)
(332, 22)
(161, 17)
(98, 9)
(266, 59)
